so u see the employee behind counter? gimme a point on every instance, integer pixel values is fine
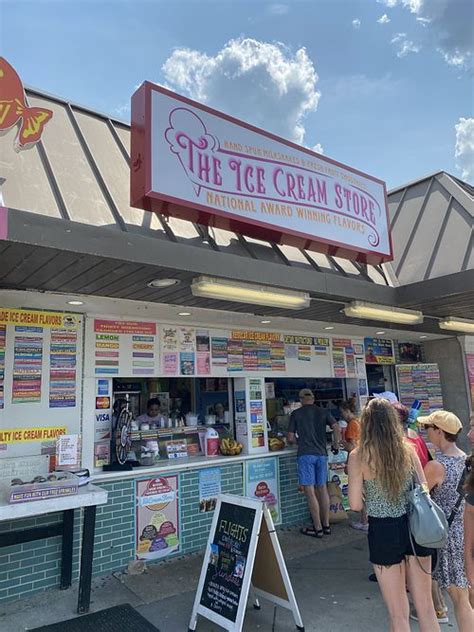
(153, 417)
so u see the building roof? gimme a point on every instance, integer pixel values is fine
(431, 221)
(72, 229)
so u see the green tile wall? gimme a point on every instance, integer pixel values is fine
(28, 568)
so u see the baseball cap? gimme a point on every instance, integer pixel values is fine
(392, 398)
(442, 419)
(306, 392)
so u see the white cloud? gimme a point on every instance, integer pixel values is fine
(356, 23)
(464, 149)
(278, 9)
(259, 82)
(450, 26)
(384, 19)
(404, 45)
(388, 3)
(318, 148)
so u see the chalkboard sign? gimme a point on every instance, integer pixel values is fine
(228, 556)
(242, 548)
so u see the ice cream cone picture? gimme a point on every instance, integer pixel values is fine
(14, 109)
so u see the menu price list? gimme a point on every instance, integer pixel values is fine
(228, 558)
(422, 382)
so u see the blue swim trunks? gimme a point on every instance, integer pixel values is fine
(312, 470)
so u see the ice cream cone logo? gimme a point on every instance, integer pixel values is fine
(14, 109)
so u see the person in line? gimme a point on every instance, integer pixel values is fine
(423, 454)
(153, 416)
(412, 436)
(307, 428)
(381, 470)
(350, 440)
(443, 476)
(469, 516)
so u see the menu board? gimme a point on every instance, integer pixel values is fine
(227, 560)
(346, 355)
(242, 548)
(379, 351)
(422, 382)
(124, 347)
(40, 385)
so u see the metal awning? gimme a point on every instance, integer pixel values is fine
(71, 229)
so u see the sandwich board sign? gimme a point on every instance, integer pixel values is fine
(242, 555)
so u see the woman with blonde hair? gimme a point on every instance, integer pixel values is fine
(381, 470)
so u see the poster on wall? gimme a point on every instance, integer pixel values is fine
(409, 352)
(124, 347)
(422, 382)
(262, 481)
(157, 517)
(470, 373)
(346, 357)
(379, 351)
(210, 486)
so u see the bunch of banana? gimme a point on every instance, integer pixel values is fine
(230, 447)
(274, 443)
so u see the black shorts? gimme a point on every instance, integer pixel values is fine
(389, 541)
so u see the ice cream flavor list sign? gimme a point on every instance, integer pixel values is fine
(157, 517)
(235, 176)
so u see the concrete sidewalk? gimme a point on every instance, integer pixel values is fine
(329, 578)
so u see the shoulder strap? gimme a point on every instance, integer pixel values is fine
(460, 492)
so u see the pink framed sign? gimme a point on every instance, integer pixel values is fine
(199, 164)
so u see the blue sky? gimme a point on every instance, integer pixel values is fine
(390, 96)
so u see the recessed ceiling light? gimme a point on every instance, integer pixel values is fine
(423, 336)
(265, 322)
(184, 313)
(331, 327)
(379, 333)
(75, 303)
(163, 283)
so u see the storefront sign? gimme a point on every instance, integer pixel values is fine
(217, 170)
(262, 481)
(157, 517)
(378, 351)
(38, 318)
(209, 488)
(28, 121)
(22, 435)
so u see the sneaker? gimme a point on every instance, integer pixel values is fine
(441, 615)
(360, 526)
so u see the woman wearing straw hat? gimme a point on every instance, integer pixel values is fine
(444, 477)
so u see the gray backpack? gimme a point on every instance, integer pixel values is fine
(426, 520)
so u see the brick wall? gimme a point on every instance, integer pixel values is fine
(28, 568)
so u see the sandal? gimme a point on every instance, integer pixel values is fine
(313, 533)
(327, 530)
